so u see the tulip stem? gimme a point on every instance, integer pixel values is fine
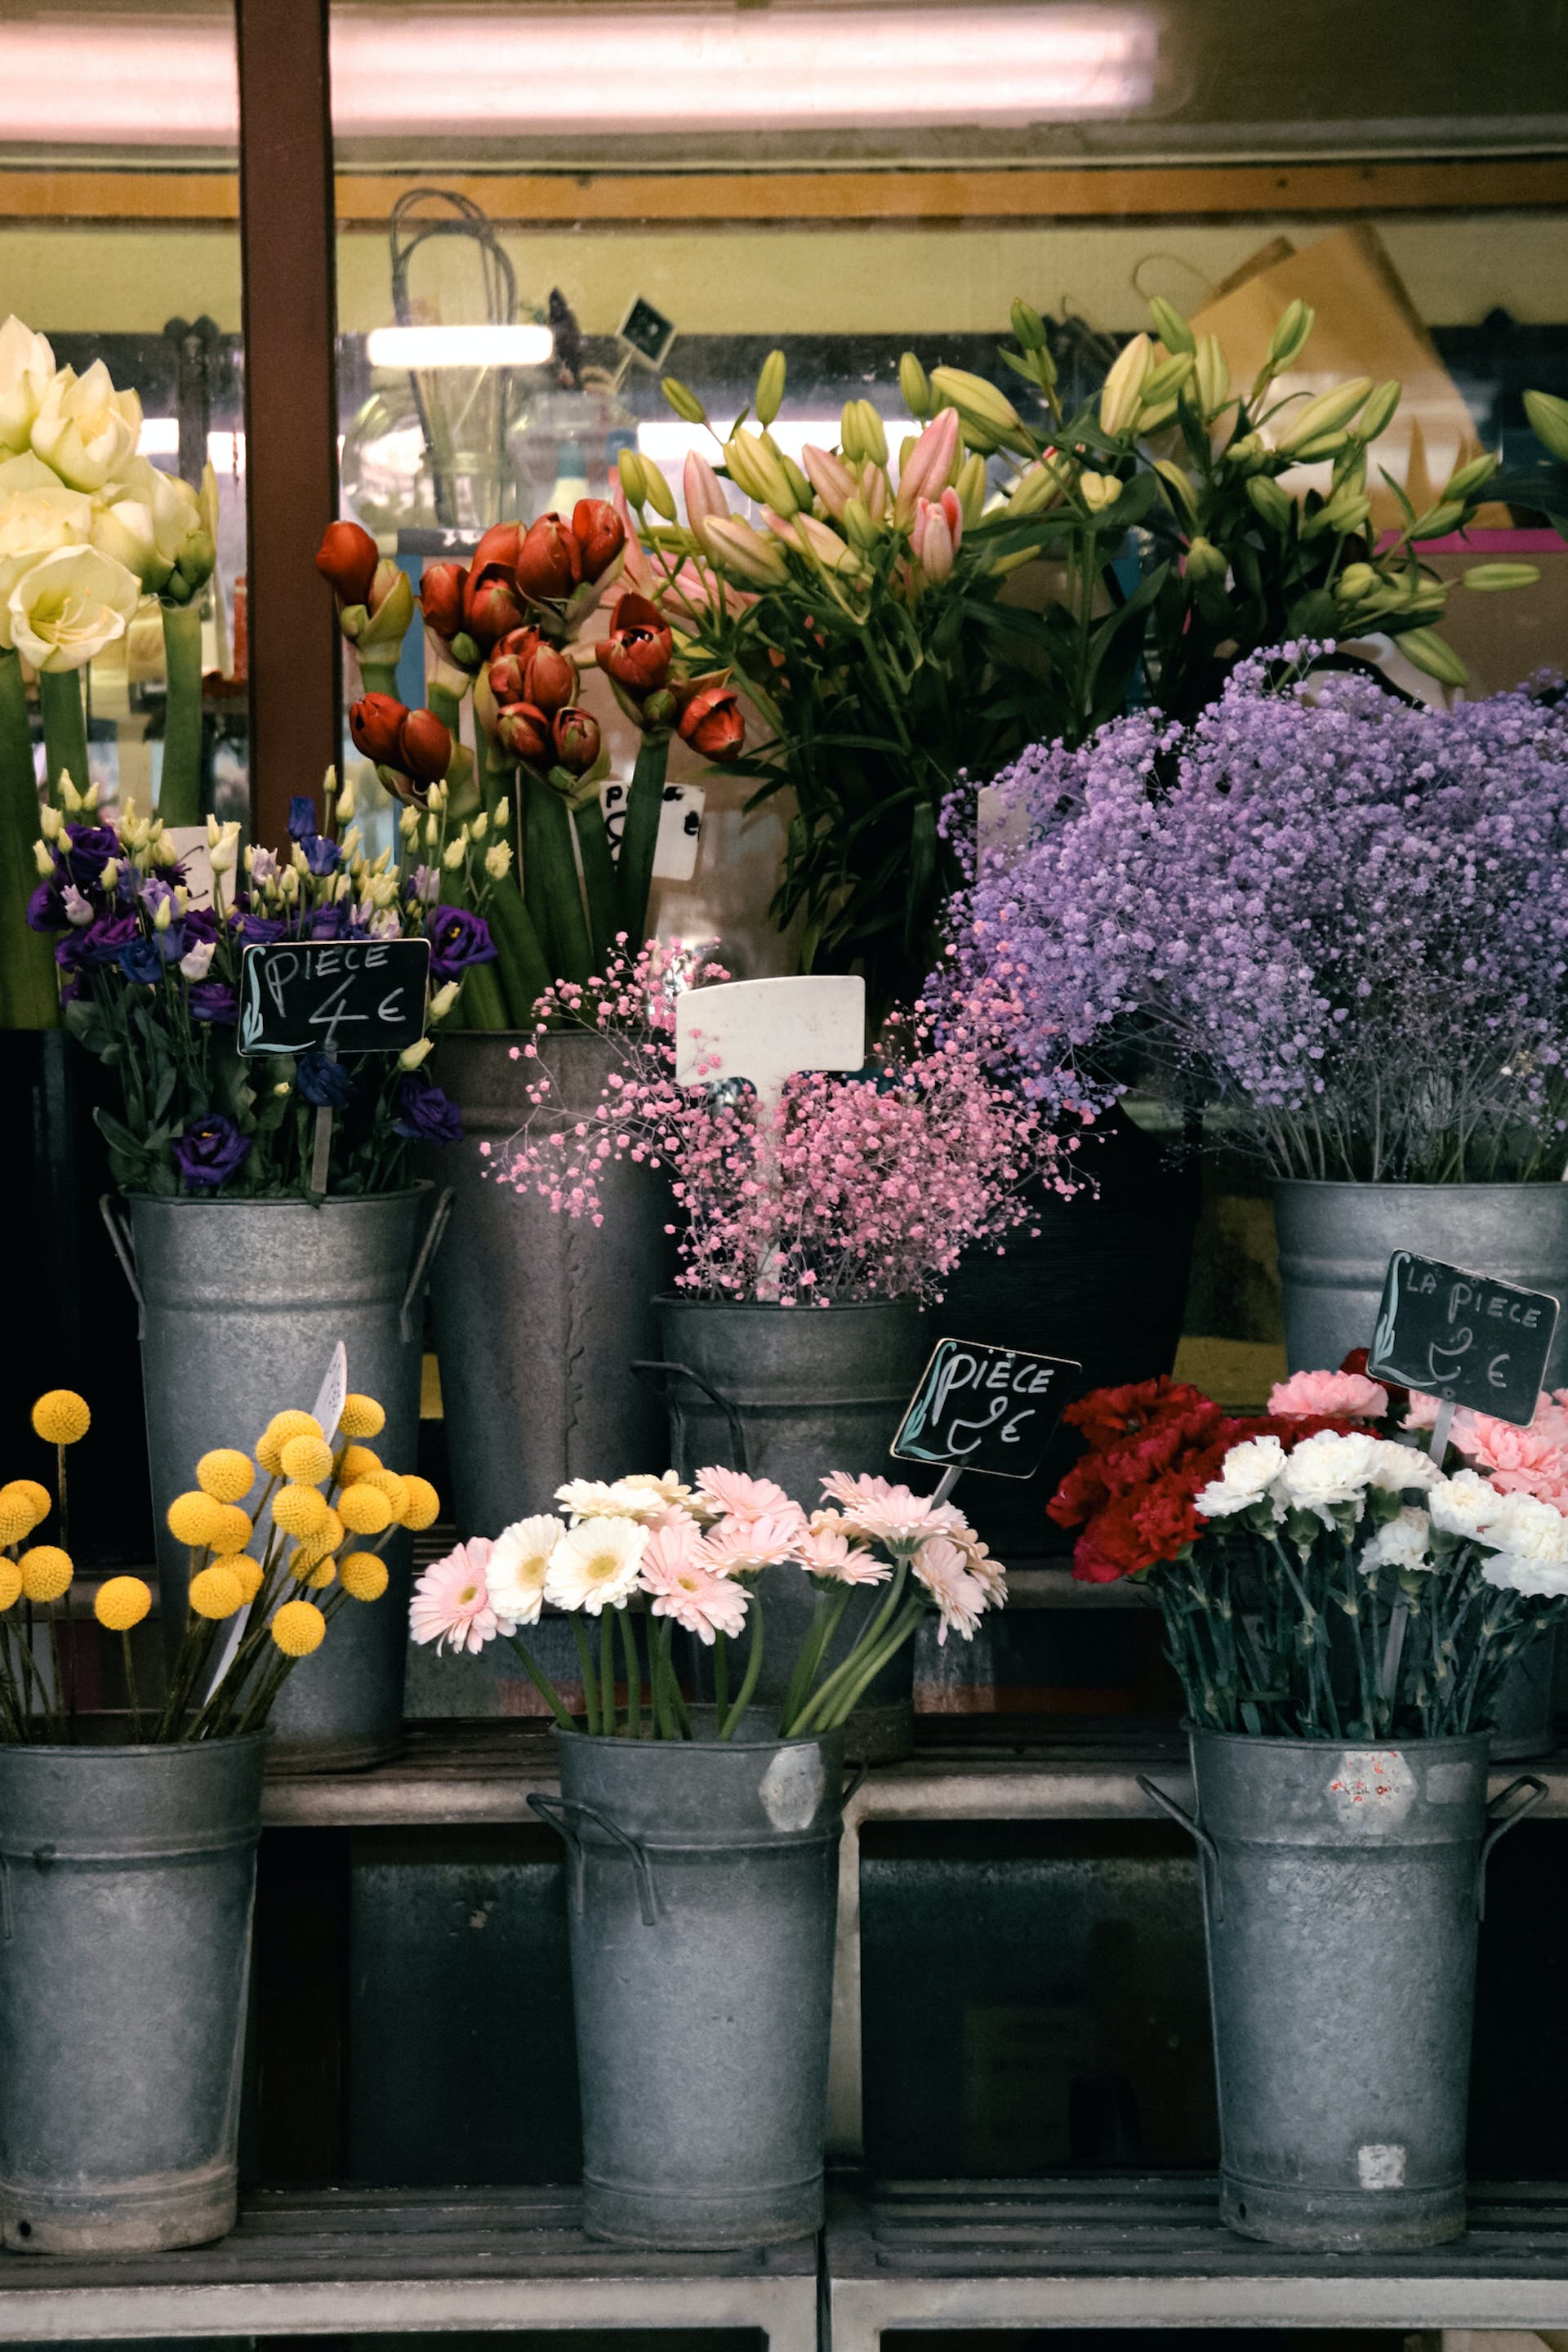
(30, 998)
(552, 884)
(65, 729)
(639, 838)
(598, 876)
(180, 793)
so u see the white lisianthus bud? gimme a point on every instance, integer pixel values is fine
(383, 891)
(282, 1088)
(504, 815)
(453, 855)
(68, 793)
(497, 860)
(91, 797)
(412, 1056)
(52, 822)
(409, 823)
(343, 888)
(225, 851)
(196, 960)
(438, 796)
(431, 832)
(445, 996)
(479, 827)
(351, 840)
(163, 851)
(163, 914)
(43, 859)
(346, 802)
(181, 900)
(110, 876)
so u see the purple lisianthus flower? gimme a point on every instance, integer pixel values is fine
(424, 1114)
(141, 961)
(303, 820)
(103, 943)
(209, 1152)
(202, 923)
(457, 940)
(326, 1084)
(324, 923)
(215, 1001)
(257, 930)
(46, 904)
(322, 855)
(424, 885)
(90, 848)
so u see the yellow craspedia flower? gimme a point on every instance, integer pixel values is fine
(195, 1518)
(356, 1462)
(123, 1603)
(322, 1575)
(10, 1584)
(42, 1501)
(216, 1592)
(327, 1538)
(362, 1417)
(248, 1571)
(60, 1417)
(226, 1473)
(308, 1459)
(269, 1454)
(45, 1571)
(363, 1576)
(421, 1503)
(394, 1488)
(283, 1426)
(235, 1531)
(364, 1509)
(17, 1516)
(298, 1628)
(300, 1510)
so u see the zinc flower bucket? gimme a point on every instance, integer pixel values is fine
(538, 1317)
(1341, 1890)
(242, 1305)
(702, 1883)
(126, 1883)
(778, 1392)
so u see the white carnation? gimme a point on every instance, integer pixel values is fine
(1536, 1580)
(1401, 1544)
(1464, 1504)
(1398, 1466)
(1245, 1477)
(1326, 1470)
(1529, 1529)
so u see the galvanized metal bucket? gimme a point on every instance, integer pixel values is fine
(538, 1316)
(788, 1393)
(1341, 1890)
(242, 1303)
(126, 1882)
(703, 1882)
(1335, 1242)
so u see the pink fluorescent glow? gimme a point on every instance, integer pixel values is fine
(397, 72)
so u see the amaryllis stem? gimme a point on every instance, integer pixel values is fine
(378, 677)
(639, 838)
(598, 877)
(29, 996)
(552, 872)
(525, 973)
(65, 729)
(180, 790)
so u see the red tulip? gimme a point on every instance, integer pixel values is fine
(549, 680)
(712, 724)
(575, 737)
(348, 556)
(549, 562)
(424, 747)
(441, 587)
(637, 652)
(524, 732)
(600, 535)
(376, 724)
(491, 605)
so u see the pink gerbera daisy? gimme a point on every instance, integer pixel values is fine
(742, 1546)
(827, 1551)
(681, 1588)
(451, 1601)
(960, 1597)
(736, 1497)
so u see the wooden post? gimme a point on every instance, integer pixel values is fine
(286, 231)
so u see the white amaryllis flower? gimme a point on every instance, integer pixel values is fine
(518, 1566)
(26, 366)
(960, 1598)
(85, 429)
(1245, 1475)
(595, 1565)
(1464, 1505)
(34, 521)
(1402, 1543)
(1325, 1471)
(68, 606)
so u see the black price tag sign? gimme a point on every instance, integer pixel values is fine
(1463, 1338)
(984, 1408)
(333, 996)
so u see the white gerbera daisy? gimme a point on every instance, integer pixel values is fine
(595, 1565)
(519, 1561)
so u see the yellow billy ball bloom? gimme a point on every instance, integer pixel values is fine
(364, 1509)
(275, 1435)
(10, 1583)
(362, 1417)
(322, 1575)
(421, 1503)
(195, 1519)
(394, 1488)
(300, 1510)
(216, 1592)
(47, 1572)
(60, 1417)
(356, 1463)
(298, 1628)
(362, 1575)
(308, 1459)
(16, 1518)
(235, 1531)
(226, 1473)
(248, 1571)
(123, 1603)
(39, 1497)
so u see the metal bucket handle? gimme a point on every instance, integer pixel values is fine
(1502, 1824)
(651, 1371)
(561, 1812)
(125, 1251)
(1196, 1829)
(424, 1259)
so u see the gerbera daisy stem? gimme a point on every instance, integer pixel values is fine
(542, 1682)
(749, 1681)
(721, 1674)
(822, 1709)
(824, 1623)
(590, 1680)
(871, 1665)
(633, 1675)
(607, 1673)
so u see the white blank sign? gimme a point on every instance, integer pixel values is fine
(766, 1030)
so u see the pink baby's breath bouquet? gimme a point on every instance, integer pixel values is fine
(863, 1186)
(693, 1556)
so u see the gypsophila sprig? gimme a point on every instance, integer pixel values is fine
(1342, 919)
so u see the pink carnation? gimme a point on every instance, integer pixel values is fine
(451, 1601)
(1329, 1392)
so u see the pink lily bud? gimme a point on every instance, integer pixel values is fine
(704, 491)
(936, 532)
(929, 464)
(829, 476)
(874, 489)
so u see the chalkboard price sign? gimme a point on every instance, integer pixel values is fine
(1463, 1338)
(984, 1408)
(333, 996)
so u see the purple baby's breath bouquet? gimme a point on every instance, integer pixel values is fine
(1340, 919)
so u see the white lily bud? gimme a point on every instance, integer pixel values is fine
(412, 1056)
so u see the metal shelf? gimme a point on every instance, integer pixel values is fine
(1151, 2251)
(346, 2261)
